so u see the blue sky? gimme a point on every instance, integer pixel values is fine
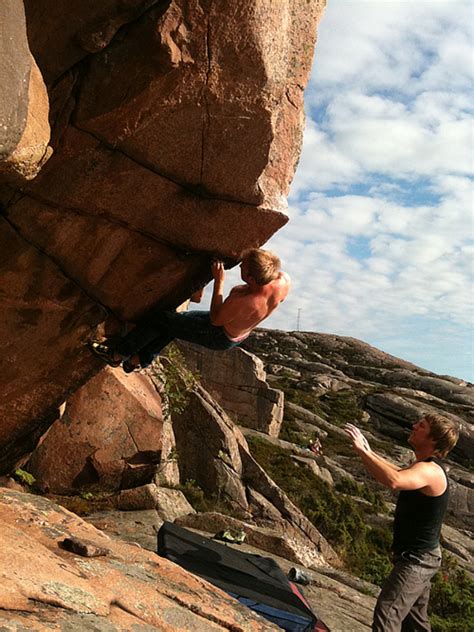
(380, 239)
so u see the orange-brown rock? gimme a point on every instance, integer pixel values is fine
(45, 320)
(45, 587)
(24, 105)
(214, 83)
(176, 128)
(237, 380)
(208, 446)
(109, 435)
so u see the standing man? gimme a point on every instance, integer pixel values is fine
(227, 324)
(424, 491)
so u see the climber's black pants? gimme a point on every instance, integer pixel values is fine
(157, 330)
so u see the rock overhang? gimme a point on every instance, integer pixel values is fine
(176, 131)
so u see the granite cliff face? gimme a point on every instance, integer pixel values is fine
(175, 130)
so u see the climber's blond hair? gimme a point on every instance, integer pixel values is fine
(263, 265)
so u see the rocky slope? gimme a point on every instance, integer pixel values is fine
(329, 380)
(256, 474)
(176, 126)
(61, 573)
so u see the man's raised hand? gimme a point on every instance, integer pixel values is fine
(358, 440)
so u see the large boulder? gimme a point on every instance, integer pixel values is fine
(109, 436)
(169, 503)
(47, 586)
(237, 380)
(207, 443)
(176, 129)
(45, 320)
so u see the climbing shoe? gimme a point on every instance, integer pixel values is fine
(129, 367)
(105, 353)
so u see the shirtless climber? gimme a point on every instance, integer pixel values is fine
(227, 324)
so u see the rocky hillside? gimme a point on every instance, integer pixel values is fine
(326, 381)
(395, 392)
(329, 380)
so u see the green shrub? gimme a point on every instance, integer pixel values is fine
(176, 380)
(203, 503)
(334, 445)
(452, 599)
(306, 399)
(86, 503)
(195, 496)
(289, 431)
(24, 477)
(371, 559)
(348, 486)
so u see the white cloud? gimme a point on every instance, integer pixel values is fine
(383, 135)
(322, 162)
(380, 239)
(393, 45)
(396, 78)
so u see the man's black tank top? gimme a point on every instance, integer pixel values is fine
(418, 518)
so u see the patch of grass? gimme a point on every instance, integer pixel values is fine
(341, 407)
(306, 399)
(86, 503)
(195, 496)
(203, 503)
(291, 432)
(335, 515)
(335, 445)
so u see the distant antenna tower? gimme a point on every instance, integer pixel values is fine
(298, 319)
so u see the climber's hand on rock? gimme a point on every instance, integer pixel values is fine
(218, 271)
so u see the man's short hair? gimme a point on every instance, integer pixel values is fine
(263, 265)
(443, 431)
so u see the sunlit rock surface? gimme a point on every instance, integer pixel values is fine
(46, 587)
(108, 437)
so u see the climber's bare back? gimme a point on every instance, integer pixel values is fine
(246, 307)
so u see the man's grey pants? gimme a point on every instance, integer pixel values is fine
(402, 605)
